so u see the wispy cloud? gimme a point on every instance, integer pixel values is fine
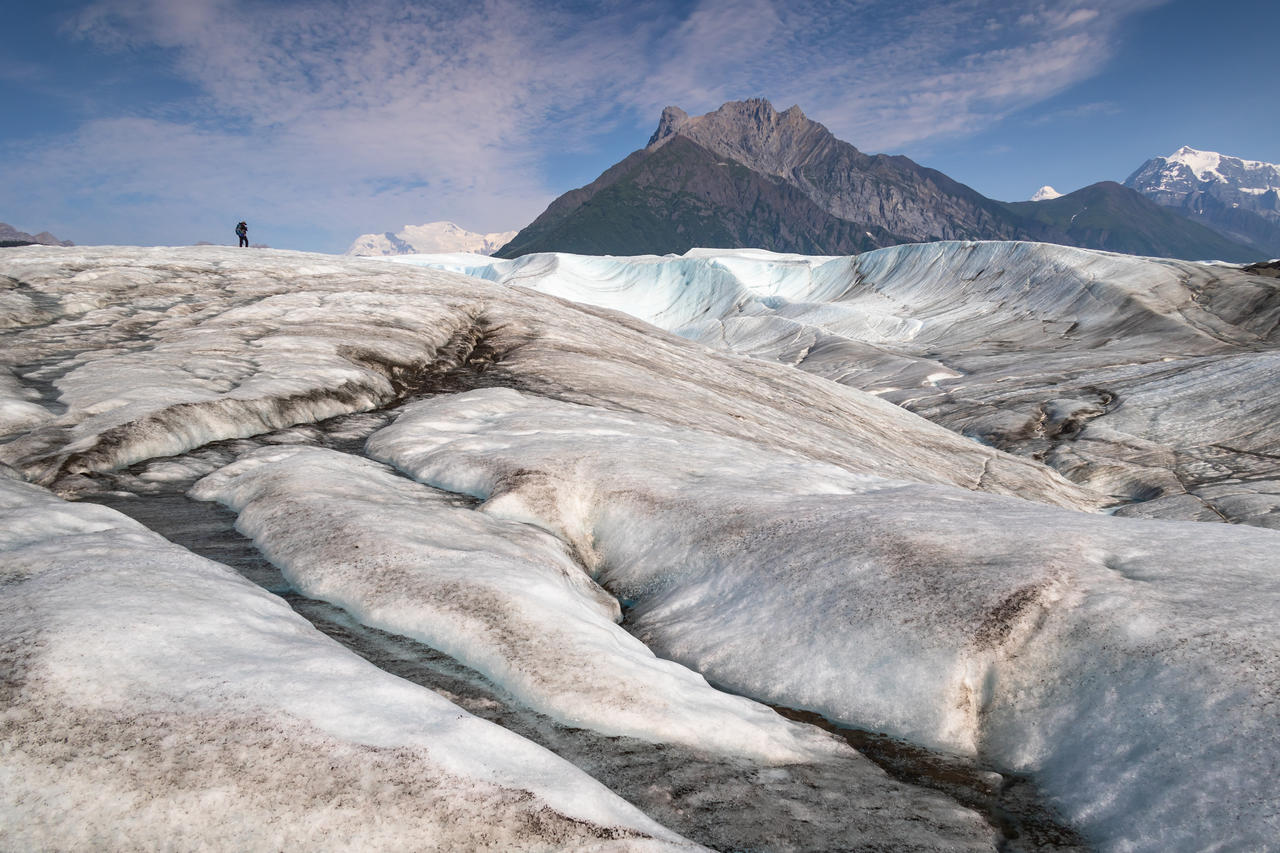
(343, 116)
(1093, 108)
(884, 75)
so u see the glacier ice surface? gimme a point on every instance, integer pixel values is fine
(985, 338)
(763, 523)
(502, 597)
(1105, 655)
(155, 699)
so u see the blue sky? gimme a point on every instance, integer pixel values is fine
(167, 121)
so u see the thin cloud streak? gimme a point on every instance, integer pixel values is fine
(885, 75)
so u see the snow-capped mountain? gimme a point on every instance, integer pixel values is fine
(1045, 193)
(430, 238)
(1237, 197)
(1186, 169)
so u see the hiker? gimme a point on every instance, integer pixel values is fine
(242, 231)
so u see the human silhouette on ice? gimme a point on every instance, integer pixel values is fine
(242, 231)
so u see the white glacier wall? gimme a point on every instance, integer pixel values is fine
(949, 291)
(1061, 354)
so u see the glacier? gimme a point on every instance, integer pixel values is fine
(656, 517)
(1145, 379)
(155, 699)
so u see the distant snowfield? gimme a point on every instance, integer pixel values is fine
(431, 237)
(641, 535)
(1045, 193)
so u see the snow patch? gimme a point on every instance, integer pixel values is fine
(431, 237)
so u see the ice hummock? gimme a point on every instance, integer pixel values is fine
(154, 699)
(783, 535)
(502, 597)
(1104, 655)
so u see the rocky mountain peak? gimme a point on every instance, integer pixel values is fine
(750, 132)
(673, 118)
(792, 186)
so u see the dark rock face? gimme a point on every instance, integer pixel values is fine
(1109, 216)
(1238, 198)
(678, 195)
(894, 193)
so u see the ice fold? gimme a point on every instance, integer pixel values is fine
(500, 596)
(1110, 657)
(1175, 358)
(154, 699)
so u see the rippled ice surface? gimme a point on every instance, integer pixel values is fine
(563, 544)
(1146, 378)
(724, 802)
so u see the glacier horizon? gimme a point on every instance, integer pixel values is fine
(479, 467)
(884, 321)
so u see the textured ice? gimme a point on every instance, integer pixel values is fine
(220, 346)
(19, 409)
(757, 519)
(1107, 656)
(956, 293)
(155, 700)
(502, 597)
(987, 338)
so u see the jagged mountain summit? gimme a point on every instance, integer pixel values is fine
(429, 238)
(746, 175)
(1045, 193)
(1237, 197)
(895, 193)
(10, 236)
